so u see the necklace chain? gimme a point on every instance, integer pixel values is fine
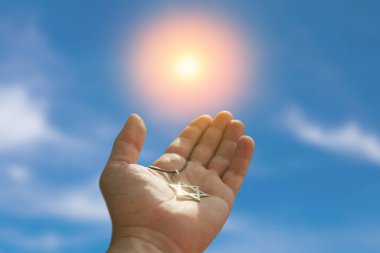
(177, 171)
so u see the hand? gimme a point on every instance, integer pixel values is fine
(146, 216)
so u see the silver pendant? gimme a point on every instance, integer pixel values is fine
(187, 192)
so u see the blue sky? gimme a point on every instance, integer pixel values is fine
(313, 185)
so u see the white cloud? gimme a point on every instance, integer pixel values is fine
(27, 56)
(347, 139)
(46, 242)
(255, 234)
(28, 72)
(24, 195)
(25, 240)
(24, 124)
(23, 120)
(18, 173)
(27, 68)
(83, 203)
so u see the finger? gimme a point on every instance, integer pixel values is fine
(235, 174)
(226, 150)
(185, 142)
(210, 140)
(130, 140)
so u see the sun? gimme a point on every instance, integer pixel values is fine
(187, 67)
(187, 62)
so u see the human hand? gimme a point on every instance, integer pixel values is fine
(146, 216)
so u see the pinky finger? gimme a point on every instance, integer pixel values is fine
(235, 174)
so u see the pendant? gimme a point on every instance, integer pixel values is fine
(187, 192)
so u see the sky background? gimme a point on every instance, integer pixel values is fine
(313, 110)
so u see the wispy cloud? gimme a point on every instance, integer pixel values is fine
(17, 173)
(24, 240)
(23, 120)
(27, 74)
(26, 54)
(81, 203)
(24, 195)
(45, 242)
(349, 138)
(255, 234)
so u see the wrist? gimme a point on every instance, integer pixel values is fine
(132, 244)
(141, 240)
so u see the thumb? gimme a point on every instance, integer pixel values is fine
(129, 142)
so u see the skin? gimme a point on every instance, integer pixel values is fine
(146, 216)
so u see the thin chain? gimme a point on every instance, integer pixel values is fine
(170, 171)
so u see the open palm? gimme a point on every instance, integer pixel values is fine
(144, 207)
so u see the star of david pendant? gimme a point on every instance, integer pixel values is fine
(187, 192)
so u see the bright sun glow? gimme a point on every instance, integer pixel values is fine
(187, 67)
(187, 63)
